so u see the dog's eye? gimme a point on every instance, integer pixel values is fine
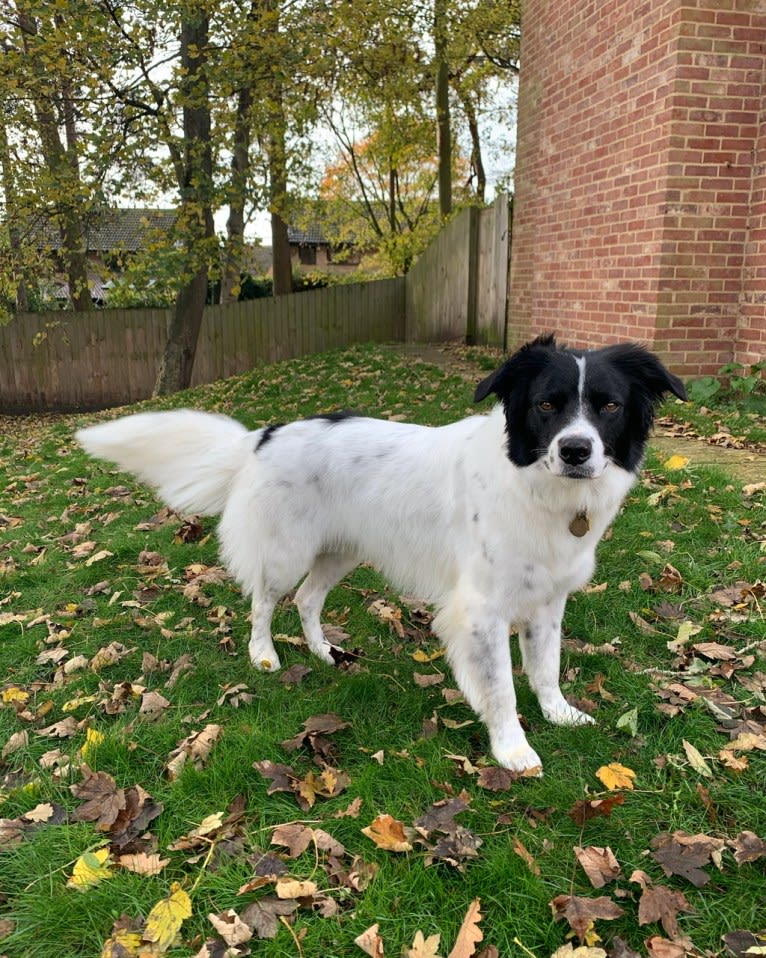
(611, 407)
(546, 406)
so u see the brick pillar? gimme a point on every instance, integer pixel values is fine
(636, 184)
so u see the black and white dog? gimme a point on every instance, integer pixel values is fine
(494, 519)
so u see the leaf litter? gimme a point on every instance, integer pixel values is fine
(714, 670)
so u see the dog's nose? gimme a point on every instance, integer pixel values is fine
(575, 450)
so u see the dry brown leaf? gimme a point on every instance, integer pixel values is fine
(370, 942)
(659, 903)
(581, 913)
(470, 934)
(231, 928)
(287, 888)
(526, 856)
(388, 833)
(143, 864)
(424, 947)
(599, 864)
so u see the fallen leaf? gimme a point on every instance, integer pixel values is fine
(599, 864)
(231, 928)
(264, 915)
(17, 741)
(584, 809)
(287, 888)
(525, 855)
(91, 868)
(370, 942)
(470, 934)
(696, 760)
(747, 847)
(659, 903)
(742, 943)
(581, 951)
(582, 912)
(102, 799)
(684, 855)
(166, 917)
(424, 947)
(388, 834)
(143, 864)
(615, 776)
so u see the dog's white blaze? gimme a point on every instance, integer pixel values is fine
(580, 360)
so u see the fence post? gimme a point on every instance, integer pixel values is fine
(472, 303)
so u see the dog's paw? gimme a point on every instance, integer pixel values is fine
(324, 652)
(264, 658)
(523, 759)
(562, 713)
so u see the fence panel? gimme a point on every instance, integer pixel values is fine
(67, 361)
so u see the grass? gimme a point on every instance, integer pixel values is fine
(55, 499)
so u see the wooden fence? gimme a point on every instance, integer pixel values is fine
(67, 361)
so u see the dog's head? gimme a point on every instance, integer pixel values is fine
(576, 411)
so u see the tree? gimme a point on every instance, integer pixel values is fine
(49, 91)
(194, 171)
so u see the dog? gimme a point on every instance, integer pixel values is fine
(493, 519)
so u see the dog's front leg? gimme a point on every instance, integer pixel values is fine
(540, 641)
(479, 652)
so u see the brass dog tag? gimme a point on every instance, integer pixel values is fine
(580, 525)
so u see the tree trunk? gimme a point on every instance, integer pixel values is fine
(14, 236)
(443, 129)
(177, 362)
(63, 166)
(196, 211)
(282, 268)
(235, 226)
(477, 161)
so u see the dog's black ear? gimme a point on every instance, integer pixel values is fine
(644, 367)
(492, 384)
(501, 380)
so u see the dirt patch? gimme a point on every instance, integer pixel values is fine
(744, 464)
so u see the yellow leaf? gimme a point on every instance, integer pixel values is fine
(122, 944)
(74, 704)
(93, 738)
(90, 869)
(616, 776)
(165, 919)
(15, 694)
(423, 657)
(676, 462)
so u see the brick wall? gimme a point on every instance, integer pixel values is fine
(639, 210)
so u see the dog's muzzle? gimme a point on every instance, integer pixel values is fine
(574, 453)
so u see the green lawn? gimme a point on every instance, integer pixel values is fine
(140, 747)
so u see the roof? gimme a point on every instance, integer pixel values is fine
(312, 236)
(113, 229)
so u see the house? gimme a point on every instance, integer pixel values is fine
(310, 249)
(112, 237)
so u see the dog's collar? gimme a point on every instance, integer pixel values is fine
(580, 525)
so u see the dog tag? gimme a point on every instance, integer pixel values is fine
(580, 525)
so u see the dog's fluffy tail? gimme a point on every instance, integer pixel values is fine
(190, 458)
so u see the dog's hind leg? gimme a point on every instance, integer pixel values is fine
(261, 649)
(328, 569)
(540, 642)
